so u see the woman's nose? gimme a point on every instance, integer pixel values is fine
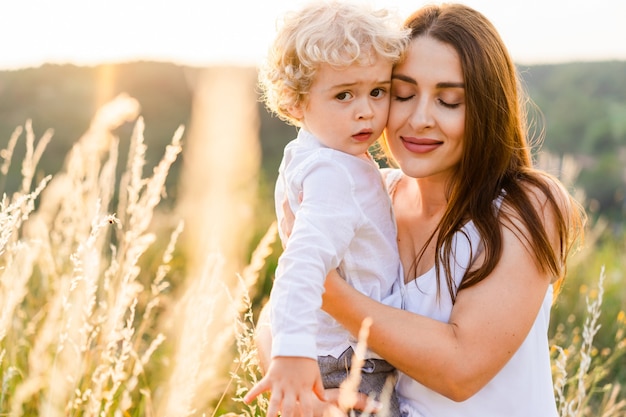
(422, 116)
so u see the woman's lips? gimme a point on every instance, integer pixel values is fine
(420, 145)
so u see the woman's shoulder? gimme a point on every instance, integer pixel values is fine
(554, 205)
(546, 188)
(392, 177)
(391, 174)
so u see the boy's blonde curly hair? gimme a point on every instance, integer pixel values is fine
(332, 32)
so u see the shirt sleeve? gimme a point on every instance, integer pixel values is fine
(325, 225)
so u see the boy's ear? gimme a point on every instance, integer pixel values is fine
(296, 111)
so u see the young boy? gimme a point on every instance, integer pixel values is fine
(329, 74)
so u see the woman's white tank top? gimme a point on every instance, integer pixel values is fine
(523, 388)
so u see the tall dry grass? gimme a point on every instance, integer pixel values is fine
(100, 316)
(76, 319)
(218, 190)
(580, 371)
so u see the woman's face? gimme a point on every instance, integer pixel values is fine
(426, 123)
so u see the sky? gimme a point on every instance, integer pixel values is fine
(238, 32)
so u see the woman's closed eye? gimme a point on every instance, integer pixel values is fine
(448, 105)
(403, 98)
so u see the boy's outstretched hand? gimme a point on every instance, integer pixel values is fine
(291, 381)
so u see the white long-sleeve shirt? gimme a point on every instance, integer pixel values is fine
(345, 221)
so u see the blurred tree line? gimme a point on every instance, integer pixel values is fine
(583, 112)
(584, 105)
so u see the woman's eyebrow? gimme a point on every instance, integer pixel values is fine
(450, 85)
(404, 78)
(445, 84)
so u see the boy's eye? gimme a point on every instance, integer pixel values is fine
(378, 92)
(343, 96)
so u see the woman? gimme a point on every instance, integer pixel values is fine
(482, 235)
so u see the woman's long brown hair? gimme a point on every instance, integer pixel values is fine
(496, 155)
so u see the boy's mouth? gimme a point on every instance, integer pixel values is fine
(363, 135)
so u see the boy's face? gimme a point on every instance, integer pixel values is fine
(347, 108)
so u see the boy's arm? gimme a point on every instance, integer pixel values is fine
(321, 235)
(326, 223)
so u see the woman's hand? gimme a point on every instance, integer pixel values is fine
(336, 292)
(286, 224)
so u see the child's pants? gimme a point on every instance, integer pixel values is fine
(374, 374)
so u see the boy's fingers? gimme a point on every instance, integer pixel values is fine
(259, 388)
(274, 405)
(319, 390)
(306, 406)
(288, 407)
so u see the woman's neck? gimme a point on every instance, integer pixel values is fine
(419, 206)
(428, 195)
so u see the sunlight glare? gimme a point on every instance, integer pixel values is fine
(200, 33)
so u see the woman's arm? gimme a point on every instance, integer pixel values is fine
(488, 323)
